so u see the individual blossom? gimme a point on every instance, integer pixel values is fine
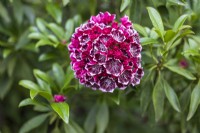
(59, 98)
(106, 55)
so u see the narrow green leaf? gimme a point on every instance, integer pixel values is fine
(115, 96)
(57, 30)
(69, 27)
(29, 85)
(65, 2)
(69, 128)
(140, 29)
(102, 118)
(4, 13)
(89, 124)
(46, 95)
(33, 94)
(124, 4)
(41, 25)
(45, 77)
(158, 98)
(169, 34)
(28, 101)
(53, 38)
(55, 11)
(181, 71)
(194, 101)
(171, 96)
(145, 97)
(33, 123)
(47, 56)
(36, 35)
(62, 109)
(192, 52)
(179, 22)
(156, 20)
(44, 42)
(185, 98)
(68, 78)
(59, 74)
(146, 41)
(77, 127)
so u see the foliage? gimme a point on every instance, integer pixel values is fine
(34, 36)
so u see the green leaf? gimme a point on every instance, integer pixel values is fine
(115, 96)
(53, 38)
(65, 2)
(102, 118)
(171, 96)
(77, 127)
(89, 124)
(43, 42)
(29, 85)
(18, 11)
(192, 52)
(59, 74)
(73, 127)
(145, 97)
(33, 94)
(176, 3)
(124, 4)
(41, 25)
(194, 101)
(57, 30)
(69, 27)
(145, 41)
(158, 98)
(62, 109)
(36, 35)
(140, 29)
(69, 128)
(169, 34)
(33, 123)
(68, 78)
(179, 22)
(45, 77)
(55, 11)
(181, 71)
(46, 95)
(4, 13)
(28, 101)
(47, 56)
(156, 21)
(185, 98)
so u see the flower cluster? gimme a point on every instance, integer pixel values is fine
(105, 54)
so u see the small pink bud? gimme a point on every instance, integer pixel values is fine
(183, 63)
(59, 98)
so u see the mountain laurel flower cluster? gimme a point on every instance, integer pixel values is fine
(105, 54)
(59, 98)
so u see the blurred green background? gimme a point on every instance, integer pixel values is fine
(34, 35)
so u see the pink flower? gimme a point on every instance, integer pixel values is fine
(106, 55)
(59, 98)
(183, 63)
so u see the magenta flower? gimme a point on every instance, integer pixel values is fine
(183, 63)
(105, 54)
(59, 98)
